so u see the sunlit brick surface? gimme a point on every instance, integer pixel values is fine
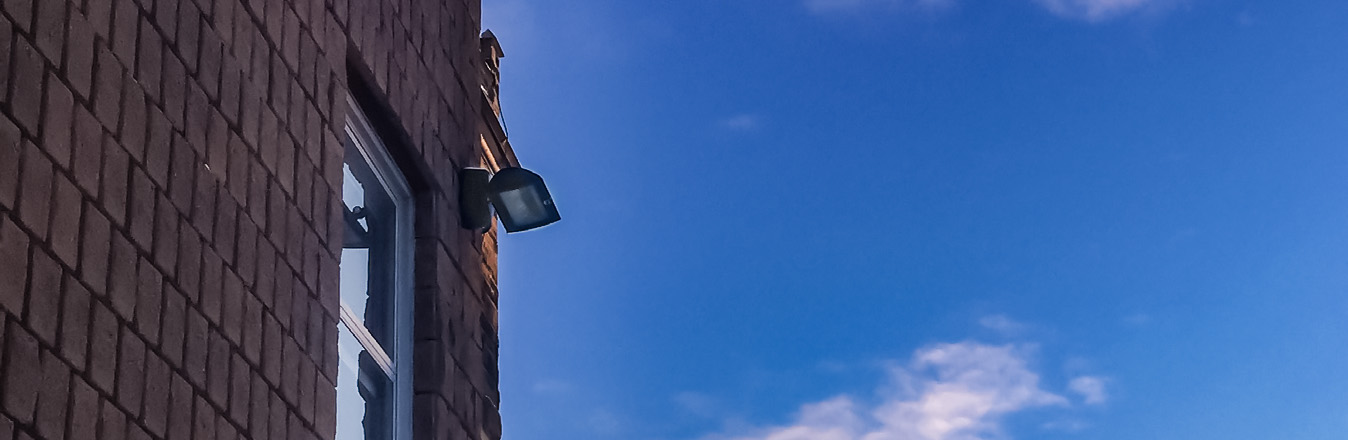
(170, 212)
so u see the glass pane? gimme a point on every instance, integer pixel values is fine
(525, 205)
(364, 400)
(368, 260)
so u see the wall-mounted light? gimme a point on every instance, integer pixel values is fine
(519, 196)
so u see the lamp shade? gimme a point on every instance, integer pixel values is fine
(522, 200)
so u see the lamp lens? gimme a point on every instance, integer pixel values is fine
(525, 205)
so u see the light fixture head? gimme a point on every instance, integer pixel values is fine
(521, 199)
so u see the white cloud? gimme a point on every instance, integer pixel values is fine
(1096, 10)
(959, 391)
(1091, 389)
(836, 6)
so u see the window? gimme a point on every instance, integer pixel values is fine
(374, 334)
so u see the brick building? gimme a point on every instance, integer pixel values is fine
(237, 219)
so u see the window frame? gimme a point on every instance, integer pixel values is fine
(391, 177)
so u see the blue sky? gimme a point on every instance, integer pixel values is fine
(928, 219)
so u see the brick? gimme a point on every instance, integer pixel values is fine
(156, 408)
(111, 423)
(239, 161)
(49, 33)
(203, 421)
(135, 432)
(166, 17)
(44, 297)
(325, 408)
(20, 11)
(279, 419)
(88, 150)
(52, 399)
(166, 227)
(174, 326)
(195, 348)
(251, 107)
(212, 282)
(217, 371)
(122, 282)
(126, 20)
(95, 248)
(189, 259)
(6, 36)
(318, 324)
(189, 28)
(141, 210)
(115, 182)
(259, 411)
(179, 410)
(203, 202)
(131, 372)
(232, 307)
(258, 186)
(219, 140)
(103, 348)
(13, 267)
(230, 93)
(108, 90)
(67, 205)
(35, 200)
(149, 302)
(175, 92)
(135, 129)
(208, 69)
(79, 63)
(57, 121)
(290, 379)
(25, 104)
(271, 349)
(299, 315)
(23, 374)
(290, 40)
(225, 228)
(99, 13)
(246, 263)
(83, 410)
(305, 388)
(11, 140)
(181, 176)
(198, 118)
(224, 17)
(74, 323)
(285, 285)
(252, 330)
(225, 430)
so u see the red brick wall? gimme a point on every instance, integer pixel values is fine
(169, 213)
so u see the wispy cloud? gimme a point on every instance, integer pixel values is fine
(847, 6)
(1002, 324)
(742, 122)
(1091, 389)
(552, 386)
(953, 391)
(697, 404)
(1096, 10)
(1084, 10)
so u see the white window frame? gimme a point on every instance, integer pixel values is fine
(390, 176)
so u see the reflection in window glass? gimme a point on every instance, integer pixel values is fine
(373, 282)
